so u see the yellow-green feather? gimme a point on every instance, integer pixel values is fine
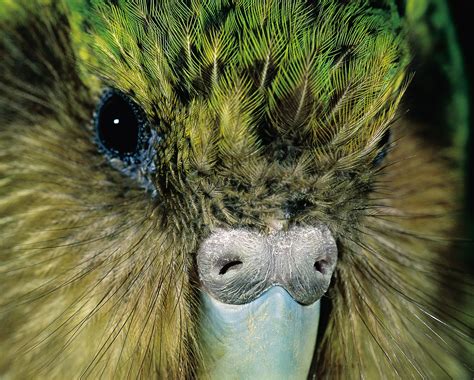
(260, 105)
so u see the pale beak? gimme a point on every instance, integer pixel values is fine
(272, 337)
(260, 301)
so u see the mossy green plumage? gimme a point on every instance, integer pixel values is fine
(267, 109)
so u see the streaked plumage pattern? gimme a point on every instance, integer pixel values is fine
(265, 109)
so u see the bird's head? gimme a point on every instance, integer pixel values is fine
(191, 178)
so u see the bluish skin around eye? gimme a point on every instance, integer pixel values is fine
(137, 163)
(380, 157)
(384, 144)
(121, 126)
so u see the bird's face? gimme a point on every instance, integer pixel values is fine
(196, 175)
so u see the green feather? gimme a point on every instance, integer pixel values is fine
(266, 110)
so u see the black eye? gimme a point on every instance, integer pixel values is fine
(383, 145)
(120, 125)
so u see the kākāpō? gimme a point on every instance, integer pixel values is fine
(186, 184)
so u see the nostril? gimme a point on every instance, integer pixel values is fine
(230, 266)
(320, 266)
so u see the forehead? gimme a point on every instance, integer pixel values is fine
(326, 68)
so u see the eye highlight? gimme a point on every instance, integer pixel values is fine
(126, 139)
(120, 125)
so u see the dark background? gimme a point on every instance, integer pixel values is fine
(465, 26)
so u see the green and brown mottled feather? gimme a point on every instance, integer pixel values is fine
(266, 109)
